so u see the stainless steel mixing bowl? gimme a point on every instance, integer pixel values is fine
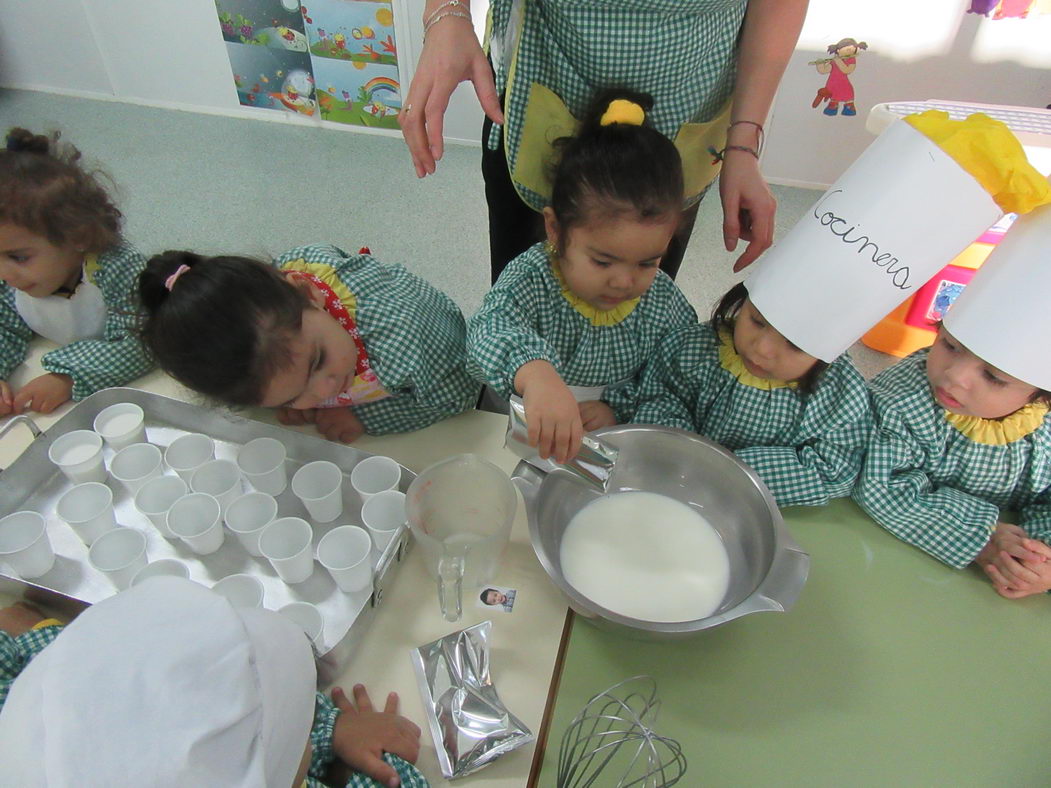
(767, 568)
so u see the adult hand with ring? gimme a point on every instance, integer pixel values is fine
(451, 55)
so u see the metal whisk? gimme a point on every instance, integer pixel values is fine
(616, 734)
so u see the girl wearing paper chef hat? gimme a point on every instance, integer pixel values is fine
(769, 377)
(166, 684)
(963, 431)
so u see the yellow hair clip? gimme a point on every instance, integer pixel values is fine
(623, 111)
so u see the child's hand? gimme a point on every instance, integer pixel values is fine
(43, 394)
(552, 414)
(7, 398)
(596, 413)
(19, 618)
(294, 417)
(1016, 564)
(362, 735)
(339, 424)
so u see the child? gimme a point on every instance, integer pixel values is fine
(799, 422)
(960, 437)
(339, 340)
(586, 309)
(167, 684)
(67, 275)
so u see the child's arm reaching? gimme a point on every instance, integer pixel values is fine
(552, 413)
(673, 379)
(896, 492)
(119, 357)
(825, 465)
(380, 746)
(14, 342)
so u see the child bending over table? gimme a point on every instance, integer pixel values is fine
(570, 322)
(799, 422)
(167, 684)
(335, 339)
(67, 275)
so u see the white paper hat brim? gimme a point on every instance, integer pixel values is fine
(900, 214)
(1003, 315)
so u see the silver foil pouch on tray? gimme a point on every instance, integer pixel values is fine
(469, 724)
(594, 462)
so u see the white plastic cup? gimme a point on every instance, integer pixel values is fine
(165, 567)
(156, 497)
(262, 461)
(218, 478)
(285, 543)
(120, 554)
(188, 452)
(195, 519)
(374, 475)
(309, 619)
(319, 485)
(240, 590)
(345, 553)
(383, 514)
(78, 454)
(121, 425)
(24, 544)
(135, 465)
(248, 516)
(88, 510)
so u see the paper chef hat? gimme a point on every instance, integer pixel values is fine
(1003, 315)
(922, 191)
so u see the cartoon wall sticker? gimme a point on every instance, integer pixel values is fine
(1010, 9)
(332, 59)
(838, 88)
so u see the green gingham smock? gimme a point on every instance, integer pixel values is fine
(681, 52)
(17, 652)
(933, 487)
(807, 448)
(112, 360)
(413, 333)
(526, 317)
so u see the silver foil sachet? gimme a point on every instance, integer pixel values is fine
(470, 725)
(594, 462)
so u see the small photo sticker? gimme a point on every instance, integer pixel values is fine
(496, 597)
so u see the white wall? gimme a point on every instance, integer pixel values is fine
(917, 50)
(171, 53)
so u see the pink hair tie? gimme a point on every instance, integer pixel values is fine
(169, 283)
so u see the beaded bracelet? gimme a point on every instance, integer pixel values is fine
(438, 17)
(455, 3)
(719, 155)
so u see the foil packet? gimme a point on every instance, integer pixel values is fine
(594, 462)
(471, 727)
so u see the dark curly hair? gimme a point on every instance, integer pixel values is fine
(45, 190)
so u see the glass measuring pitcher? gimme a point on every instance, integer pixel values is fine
(460, 511)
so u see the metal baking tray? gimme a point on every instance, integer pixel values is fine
(33, 482)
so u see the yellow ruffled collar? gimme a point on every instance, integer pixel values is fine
(732, 363)
(998, 432)
(597, 317)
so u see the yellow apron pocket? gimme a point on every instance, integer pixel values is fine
(693, 142)
(546, 119)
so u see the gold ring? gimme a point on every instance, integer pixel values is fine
(407, 108)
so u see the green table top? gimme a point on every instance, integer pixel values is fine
(892, 669)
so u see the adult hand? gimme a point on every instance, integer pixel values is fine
(451, 54)
(43, 394)
(339, 424)
(362, 735)
(552, 414)
(748, 207)
(596, 413)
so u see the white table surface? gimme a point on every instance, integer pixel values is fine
(524, 642)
